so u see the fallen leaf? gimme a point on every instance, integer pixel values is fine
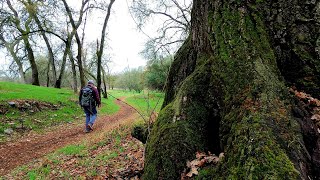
(211, 159)
(316, 117)
(301, 95)
(195, 162)
(202, 162)
(193, 171)
(314, 101)
(221, 155)
(200, 155)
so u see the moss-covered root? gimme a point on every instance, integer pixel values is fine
(183, 127)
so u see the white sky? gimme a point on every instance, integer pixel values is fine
(122, 36)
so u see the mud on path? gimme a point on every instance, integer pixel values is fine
(34, 146)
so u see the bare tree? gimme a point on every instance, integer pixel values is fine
(75, 25)
(16, 20)
(100, 46)
(13, 52)
(32, 8)
(174, 16)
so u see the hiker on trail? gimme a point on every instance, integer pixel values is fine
(89, 99)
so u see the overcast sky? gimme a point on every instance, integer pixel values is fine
(123, 38)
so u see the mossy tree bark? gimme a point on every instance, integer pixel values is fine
(227, 91)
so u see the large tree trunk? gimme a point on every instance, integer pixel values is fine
(228, 92)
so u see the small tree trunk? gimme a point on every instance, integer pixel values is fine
(105, 94)
(74, 73)
(79, 60)
(64, 60)
(101, 46)
(48, 74)
(34, 68)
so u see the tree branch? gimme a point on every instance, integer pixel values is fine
(47, 31)
(168, 15)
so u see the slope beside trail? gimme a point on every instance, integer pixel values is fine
(33, 146)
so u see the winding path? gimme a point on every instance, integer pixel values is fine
(34, 146)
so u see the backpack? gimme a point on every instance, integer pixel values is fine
(87, 96)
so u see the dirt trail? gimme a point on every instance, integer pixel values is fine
(34, 146)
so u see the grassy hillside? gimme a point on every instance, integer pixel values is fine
(115, 152)
(35, 108)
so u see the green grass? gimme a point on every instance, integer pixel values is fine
(11, 91)
(65, 99)
(108, 106)
(145, 102)
(122, 93)
(107, 156)
(73, 150)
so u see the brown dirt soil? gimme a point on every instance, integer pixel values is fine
(34, 146)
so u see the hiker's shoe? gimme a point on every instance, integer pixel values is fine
(86, 130)
(90, 127)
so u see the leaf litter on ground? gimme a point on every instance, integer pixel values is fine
(117, 156)
(202, 160)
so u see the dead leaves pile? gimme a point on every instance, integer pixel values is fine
(27, 105)
(313, 105)
(130, 163)
(202, 160)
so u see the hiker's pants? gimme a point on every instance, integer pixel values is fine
(91, 115)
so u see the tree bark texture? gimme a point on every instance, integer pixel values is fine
(228, 91)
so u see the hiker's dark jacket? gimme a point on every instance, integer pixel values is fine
(95, 95)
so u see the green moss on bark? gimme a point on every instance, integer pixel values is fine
(256, 125)
(181, 128)
(182, 66)
(238, 87)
